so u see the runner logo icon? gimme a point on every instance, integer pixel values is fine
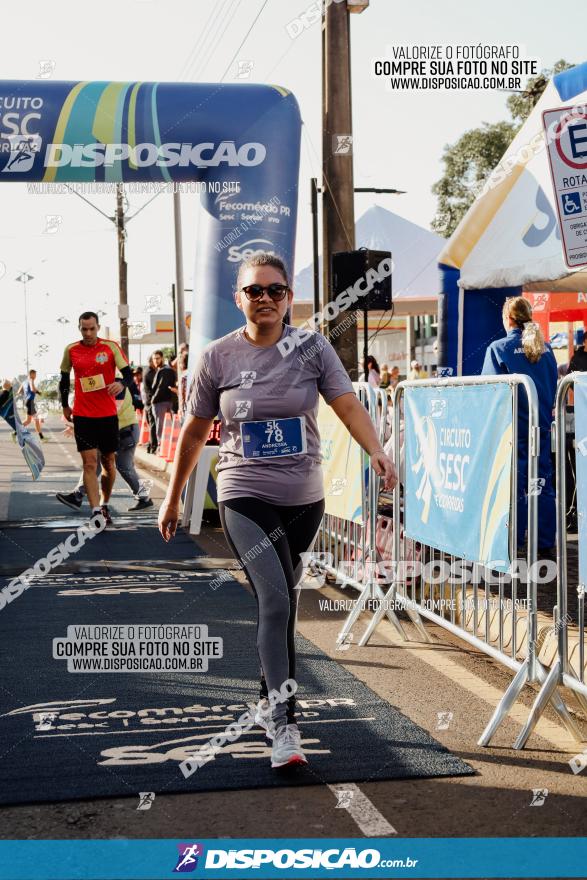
(242, 408)
(187, 861)
(247, 378)
(23, 151)
(437, 408)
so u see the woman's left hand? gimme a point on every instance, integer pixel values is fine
(384, 468)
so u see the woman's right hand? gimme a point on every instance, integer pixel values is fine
(167, 520)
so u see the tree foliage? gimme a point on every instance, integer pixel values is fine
(49, 388)
(521, 104)
(469, 161)
(466, 165)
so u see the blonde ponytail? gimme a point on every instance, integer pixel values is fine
(532, 341)
(519, 310)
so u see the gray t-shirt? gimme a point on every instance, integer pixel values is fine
(243, 382)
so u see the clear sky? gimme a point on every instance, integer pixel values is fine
(398, 137)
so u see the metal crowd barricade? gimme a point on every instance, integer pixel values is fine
(347, 549)
(508, 636)
(563, 672)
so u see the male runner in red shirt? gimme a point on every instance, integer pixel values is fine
(95, 420)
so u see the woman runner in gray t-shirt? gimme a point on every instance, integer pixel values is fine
(270, 489)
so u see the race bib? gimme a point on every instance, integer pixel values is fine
(274, 437)
(92, 383)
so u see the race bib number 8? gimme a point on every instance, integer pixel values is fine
(92, 383)
(274, 437)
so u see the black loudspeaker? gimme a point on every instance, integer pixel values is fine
(349, 266)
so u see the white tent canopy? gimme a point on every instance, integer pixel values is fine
(510, 235)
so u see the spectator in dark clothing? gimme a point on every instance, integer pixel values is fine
(578, 362)
(163, 396)
(136, 392)
(148, 379)
(524, 351)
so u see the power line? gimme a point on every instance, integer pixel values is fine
(142, 208)
(224, 18)
(194, 48)
(87, 201)
(279, 60)
(335, 203)
(379, 328)
(244, 40)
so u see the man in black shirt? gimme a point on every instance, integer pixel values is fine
(579, 360)
(148, 379)
(162, 396)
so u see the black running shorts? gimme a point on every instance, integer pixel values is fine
(30, 407)
(100, 433)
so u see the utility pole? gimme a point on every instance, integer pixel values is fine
(178, 297)
(338, 211)
(122, 274)
(174, 304)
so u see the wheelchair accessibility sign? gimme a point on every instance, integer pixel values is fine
(571, 203)
(566, 140)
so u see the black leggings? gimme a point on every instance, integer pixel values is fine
(267, 539)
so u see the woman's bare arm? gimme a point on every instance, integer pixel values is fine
(356, 420)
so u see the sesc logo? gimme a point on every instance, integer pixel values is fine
(239, 252)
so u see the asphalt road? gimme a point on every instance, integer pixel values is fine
(425, 681)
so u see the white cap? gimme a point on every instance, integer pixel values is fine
(415, 364)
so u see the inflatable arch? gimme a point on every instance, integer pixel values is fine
(241, 141)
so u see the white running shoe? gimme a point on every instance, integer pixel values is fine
(263, 718)
(287, 748)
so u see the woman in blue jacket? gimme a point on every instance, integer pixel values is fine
(524, 351)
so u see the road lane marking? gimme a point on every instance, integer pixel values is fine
(364, 813)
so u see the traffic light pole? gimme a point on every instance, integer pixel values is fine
(122, 269)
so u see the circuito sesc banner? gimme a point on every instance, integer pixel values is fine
(458, 447)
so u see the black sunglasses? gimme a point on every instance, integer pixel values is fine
(254, 292)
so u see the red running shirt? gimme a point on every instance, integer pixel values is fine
(94, 368)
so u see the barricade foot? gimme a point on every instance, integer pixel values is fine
(580, 698)
(505, 704)
(353, 615)
(385, 599)
(557, 701)
(419, 624)
(547, 693)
